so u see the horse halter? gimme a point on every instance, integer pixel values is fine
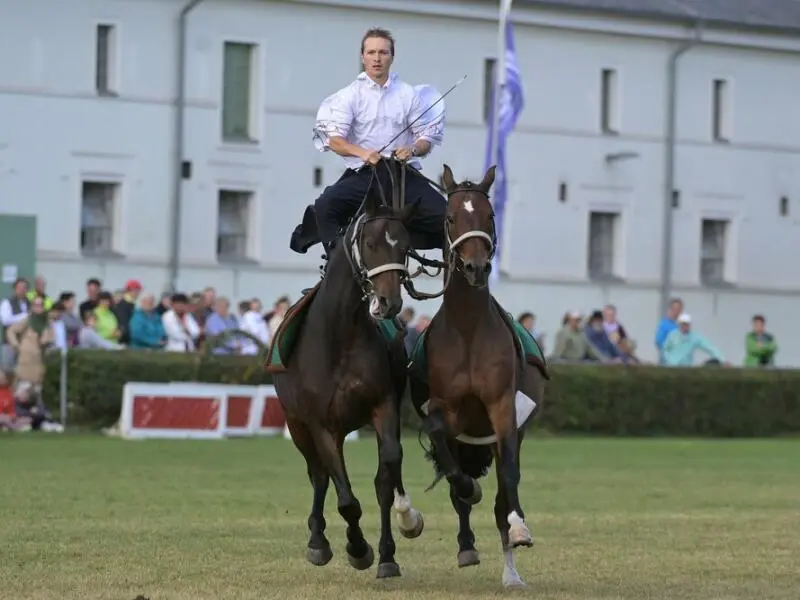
(354, 238)
(454, 258)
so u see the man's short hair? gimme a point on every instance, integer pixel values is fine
(378, 32)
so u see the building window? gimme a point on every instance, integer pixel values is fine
(712, 250)
(238, 92)
(609, 101)
(721, 115)
(232, 220)
(489, 68)
(602, 239)
(106, 60)
(97, 216)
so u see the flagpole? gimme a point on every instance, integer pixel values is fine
(499, 78)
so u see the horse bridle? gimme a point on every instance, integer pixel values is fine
(453, 258)
(354, 238)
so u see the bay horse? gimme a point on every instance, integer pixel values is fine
(468, 395)
(343, 374)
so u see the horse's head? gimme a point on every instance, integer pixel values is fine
(470, 230)
(378, 245)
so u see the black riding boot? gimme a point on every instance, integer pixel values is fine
(324, 266)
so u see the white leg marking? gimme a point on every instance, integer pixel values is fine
(518, 532)
(511, 578)
(407, 516)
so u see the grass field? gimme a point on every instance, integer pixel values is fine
(87, 517)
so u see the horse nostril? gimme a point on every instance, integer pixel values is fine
(383, 303)
(469, 267)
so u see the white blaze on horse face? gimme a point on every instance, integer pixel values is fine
(468, 206)
(390, 240)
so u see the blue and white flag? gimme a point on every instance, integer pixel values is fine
(511, 102)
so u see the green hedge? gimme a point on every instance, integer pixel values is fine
(579, 399)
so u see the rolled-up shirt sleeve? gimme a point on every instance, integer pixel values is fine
(334, 118)
(430, 126)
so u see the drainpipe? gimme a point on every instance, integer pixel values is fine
(177, 176)
(669, 164)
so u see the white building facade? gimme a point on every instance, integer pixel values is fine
(88, 145)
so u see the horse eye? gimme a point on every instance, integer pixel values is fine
(370, 243)
(451, 220)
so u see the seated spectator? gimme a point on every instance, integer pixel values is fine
(107, 324)
(89, 338)
(617, 333)
(760, 346)
(56, 317)
(222, 320)
(571, 343)
(179, 325)
(30, 408)
(681, 343)
(145, 328)
(274, 318)
(528, 321)
(252, 321)
(596, 335)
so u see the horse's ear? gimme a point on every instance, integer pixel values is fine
(488, 179)
(409, 210)
(371, 202)
(447, 179)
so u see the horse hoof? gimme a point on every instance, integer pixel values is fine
(519, 535)
(388, 569)
(468, 558)
(365, 562)
(477, 494)
(319, 557)
(513, 583)
(415, 531)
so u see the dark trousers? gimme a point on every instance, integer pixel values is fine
(340, 202)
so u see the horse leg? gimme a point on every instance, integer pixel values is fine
(466, 488)
(389, 488)
(359, 552)
(319, 551)
(511, 578)
(467, 554)
(502, 416)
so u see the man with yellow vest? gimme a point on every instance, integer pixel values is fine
(38, 292)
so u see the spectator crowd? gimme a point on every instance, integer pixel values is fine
(34, 322)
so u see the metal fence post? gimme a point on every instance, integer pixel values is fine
(62, 391)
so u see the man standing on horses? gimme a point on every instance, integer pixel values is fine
(356, 123)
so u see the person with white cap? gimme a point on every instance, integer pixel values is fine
(681, 343)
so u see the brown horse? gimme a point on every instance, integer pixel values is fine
(342, 374)
(476, 393)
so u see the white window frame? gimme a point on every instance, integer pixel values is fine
(729, 269)
(610, 100)
(246, 252)
(256, 95)
(617, 242)
(112, 70)
(115, 202)
(721, 109)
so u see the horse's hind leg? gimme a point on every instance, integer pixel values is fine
(319, 551)
(467, 554)
(389, 487)
(359, 552)
(466, 488)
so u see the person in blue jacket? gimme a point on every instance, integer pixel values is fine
(667, 325)
(145, 327)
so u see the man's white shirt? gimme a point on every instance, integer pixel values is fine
(370, 115)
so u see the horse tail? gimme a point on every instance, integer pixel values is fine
(474, 461)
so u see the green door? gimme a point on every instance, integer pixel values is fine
(17, 252)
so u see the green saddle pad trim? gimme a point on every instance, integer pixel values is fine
(288, 333)
(530, 349)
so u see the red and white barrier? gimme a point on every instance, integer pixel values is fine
(187, 410)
